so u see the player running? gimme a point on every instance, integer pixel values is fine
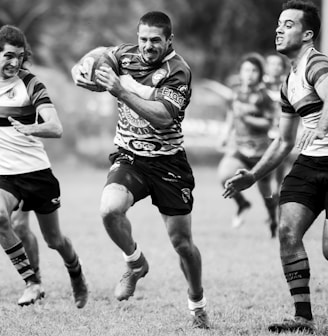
(26, 113)
(153, 91)
(248, 124)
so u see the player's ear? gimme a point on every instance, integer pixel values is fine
(308, 35)
(170, 38)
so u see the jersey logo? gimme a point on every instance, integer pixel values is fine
(11, 94)
(158, 76)
(176, 98)
(125, 62)
(139, 145)
(55, 201)
(186, 194)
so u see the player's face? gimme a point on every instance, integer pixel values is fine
(11, 59)
(289, 32)
(249, 74)
(153, 44)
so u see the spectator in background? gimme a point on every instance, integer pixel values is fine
(248, 123)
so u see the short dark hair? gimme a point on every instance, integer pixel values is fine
(257, 60)
(157, 19)
(15, 37)
(311, 18)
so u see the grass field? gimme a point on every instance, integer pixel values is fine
(242, 276)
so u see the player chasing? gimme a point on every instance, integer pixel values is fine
(304, 192)
(248, 123)
(26, 114)
(153, 91)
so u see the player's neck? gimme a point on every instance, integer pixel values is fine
(294, 61)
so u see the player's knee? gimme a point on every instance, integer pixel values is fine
(287, 237)
(55, 243)
(182, 244)
(110, 214)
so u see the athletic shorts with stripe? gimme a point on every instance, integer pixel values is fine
(39, 190)
(168, 180)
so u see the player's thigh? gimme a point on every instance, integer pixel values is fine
(20, 219)
(228, 167)
(8, 202)
(49, 225)
(115, 198)
(295, 220)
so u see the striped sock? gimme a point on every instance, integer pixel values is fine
(74, 268)
(19, 259)
(297, 273)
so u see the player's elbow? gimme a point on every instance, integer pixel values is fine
(58, 131)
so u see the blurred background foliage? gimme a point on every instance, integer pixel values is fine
(211, 35)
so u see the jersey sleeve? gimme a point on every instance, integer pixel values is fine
(317, 69)
(36, 91)
(175, 92)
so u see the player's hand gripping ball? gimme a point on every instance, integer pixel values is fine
(93, 61)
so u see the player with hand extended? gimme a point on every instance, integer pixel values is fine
(304, 95)
(25, 173)
(153, 88)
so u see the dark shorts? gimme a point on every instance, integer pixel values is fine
(250, 162)
(39, 190)
(167, 179)
(307, 183)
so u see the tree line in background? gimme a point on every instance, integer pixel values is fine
(210, 34)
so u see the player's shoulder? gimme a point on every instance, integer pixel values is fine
(176, 64)
(316, 56)
(27, 77)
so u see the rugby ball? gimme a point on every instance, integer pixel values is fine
(94, 60)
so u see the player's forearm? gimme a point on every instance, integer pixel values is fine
(46, 130)
(272, 158)
(153, 111)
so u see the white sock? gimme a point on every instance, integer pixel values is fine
(201, 304)
(134, 256)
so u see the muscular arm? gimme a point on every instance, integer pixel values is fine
(153, 111)
(280, 147)
(50, 128)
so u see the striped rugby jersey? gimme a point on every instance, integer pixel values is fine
(169, 82)
(21, 97)
(299, 96)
